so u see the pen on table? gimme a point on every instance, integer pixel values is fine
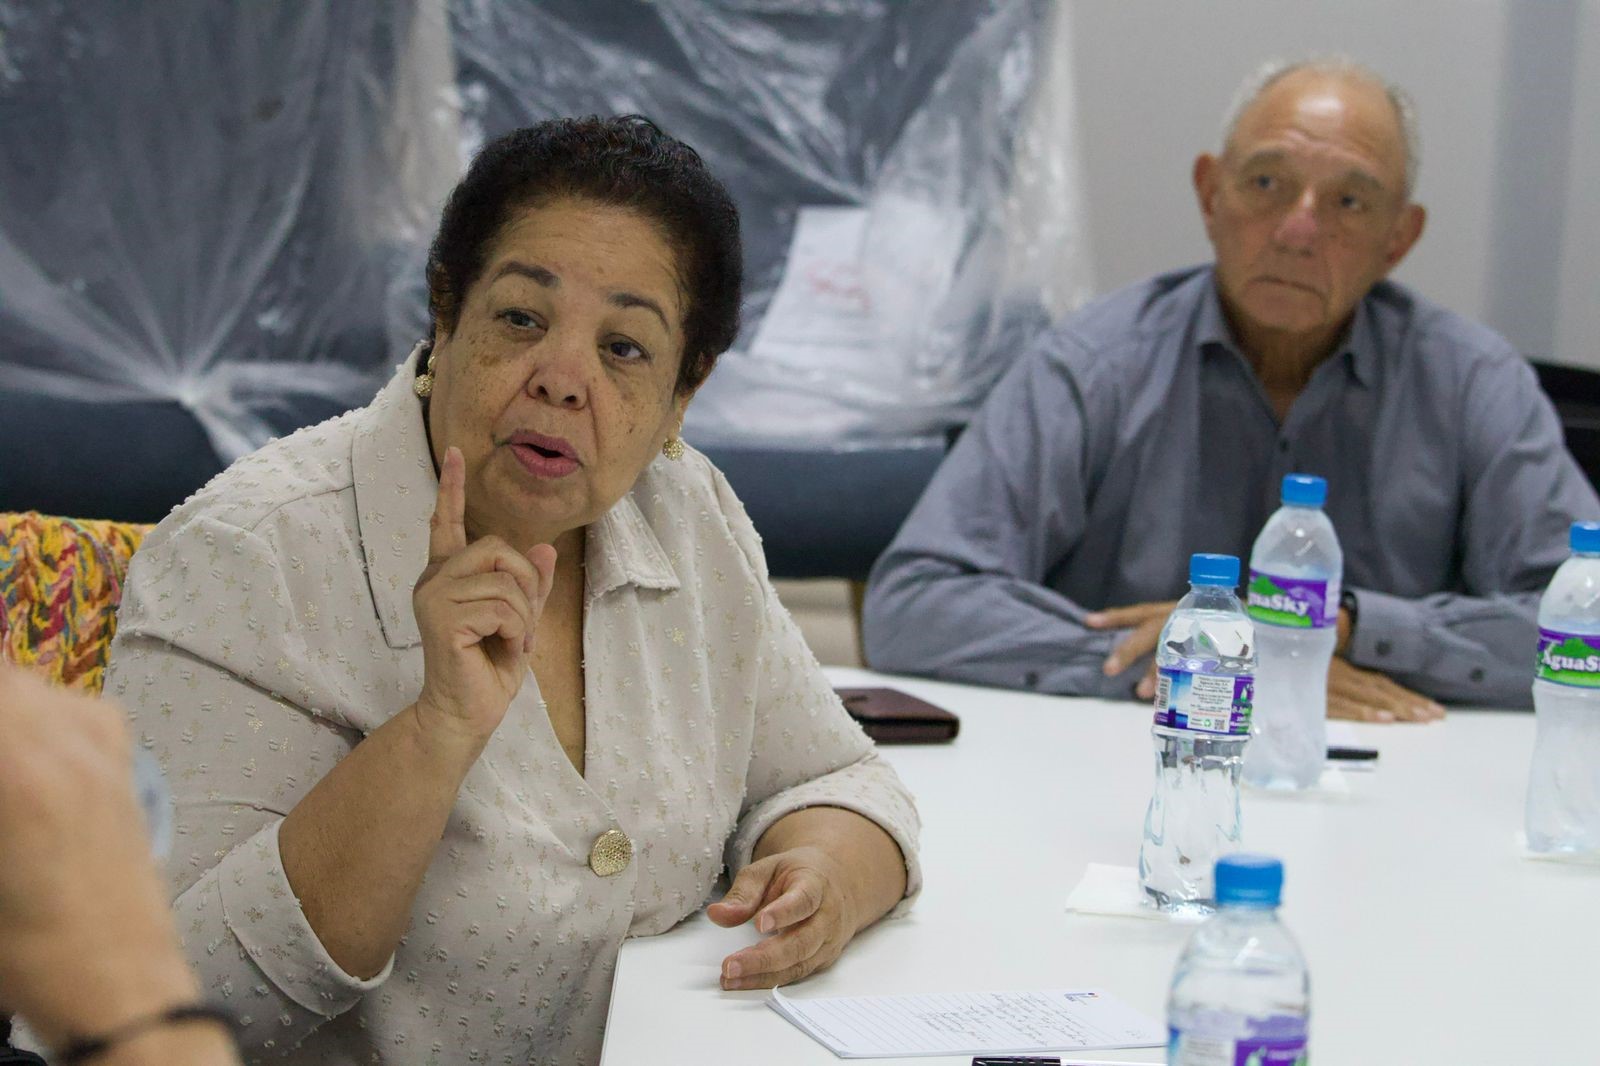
(1030, 1060)
(1353, 754)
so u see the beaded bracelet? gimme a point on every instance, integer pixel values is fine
(83, 1050)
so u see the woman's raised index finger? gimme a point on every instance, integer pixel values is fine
(447, 529)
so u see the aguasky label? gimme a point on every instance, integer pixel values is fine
(1568, 658)
(1204, 702)
(1223, 1051)
(1291, 601)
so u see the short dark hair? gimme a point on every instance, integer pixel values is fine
(624, 161)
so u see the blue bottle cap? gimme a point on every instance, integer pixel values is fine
(1585, 537)
(1304, 490)
(1252, 880)
(1214, 570)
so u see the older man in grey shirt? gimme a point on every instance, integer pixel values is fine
(1159, 421)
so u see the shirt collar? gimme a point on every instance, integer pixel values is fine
(1357, 348)
(395, 487)
(622, 549)
(1361, 345)
(1211, 325)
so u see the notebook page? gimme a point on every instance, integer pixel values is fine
(970, 1023)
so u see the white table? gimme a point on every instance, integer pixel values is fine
(1430, 938)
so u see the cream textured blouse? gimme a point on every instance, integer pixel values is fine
(266, 627)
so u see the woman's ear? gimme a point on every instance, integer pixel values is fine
(438, 333)
(680, 406)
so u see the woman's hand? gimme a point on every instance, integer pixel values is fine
(820, 876)
(478, 607)
(356, 847)
(798, 895)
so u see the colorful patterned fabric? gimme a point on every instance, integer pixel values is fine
(60, 584)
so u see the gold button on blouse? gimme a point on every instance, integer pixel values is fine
(611, 853)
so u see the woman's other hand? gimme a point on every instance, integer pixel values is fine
(478, 608)
(799, 900)
(821, 875)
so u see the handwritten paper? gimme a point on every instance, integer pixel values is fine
(854, 296)
(970, 1023)
(822, 310)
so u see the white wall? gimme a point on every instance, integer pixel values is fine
(1578, 332)
(1153, 79)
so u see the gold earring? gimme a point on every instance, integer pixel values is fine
(673, 448)
(423, 386)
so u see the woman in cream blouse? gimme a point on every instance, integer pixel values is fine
(457, 691)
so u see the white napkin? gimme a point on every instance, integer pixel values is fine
(1332, 783)
(1115, 891)
(1553, 856)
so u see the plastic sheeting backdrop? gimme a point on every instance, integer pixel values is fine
(229, 205)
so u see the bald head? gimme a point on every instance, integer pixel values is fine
(1308, 206)
(1381, 103)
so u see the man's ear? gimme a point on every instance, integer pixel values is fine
(1207, 177)
(1405, 234)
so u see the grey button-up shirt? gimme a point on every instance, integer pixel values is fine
(1135, 434)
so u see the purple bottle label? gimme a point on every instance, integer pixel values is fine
(1568, 658)
(1270, 1053)
(1204, 702)
(1194, 1048)
(1292, 601)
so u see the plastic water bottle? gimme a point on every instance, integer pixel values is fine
(1563, 815)
(1206, 661)
(1293, 599)
(1241, 995)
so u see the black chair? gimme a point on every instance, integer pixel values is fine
(827, 512)
(1576, 395)
(132, 462)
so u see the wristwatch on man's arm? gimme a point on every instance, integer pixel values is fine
(1349, 612)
